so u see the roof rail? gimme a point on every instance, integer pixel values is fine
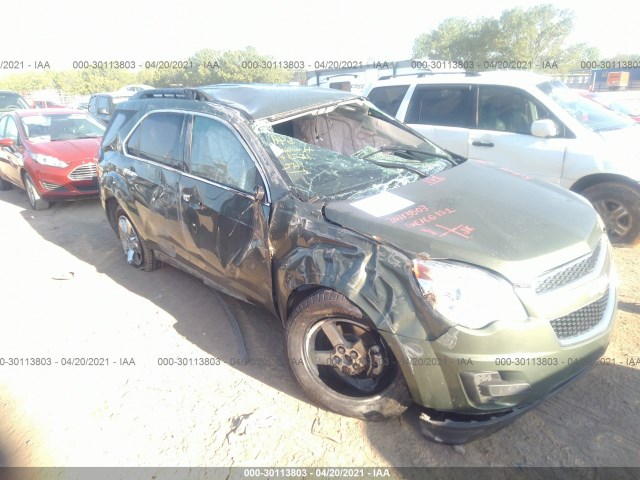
(466, 73)
(178, 93)
(415, 74)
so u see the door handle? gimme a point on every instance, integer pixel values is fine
(478, 143)
(186, 197)
(129, 173)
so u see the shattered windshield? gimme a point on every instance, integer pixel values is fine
(349, 151)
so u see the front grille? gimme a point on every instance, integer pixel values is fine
(88, 171)
(580, 321)
(53, 187)
(569, 273)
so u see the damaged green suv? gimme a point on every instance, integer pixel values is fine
(401, 273)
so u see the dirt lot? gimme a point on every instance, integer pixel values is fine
(66, 292)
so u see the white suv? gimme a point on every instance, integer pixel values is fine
(530, 124)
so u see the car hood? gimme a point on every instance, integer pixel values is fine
(69, 150)
(478, 214)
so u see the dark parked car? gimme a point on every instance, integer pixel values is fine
(50, 153)
(401, 274)
(102, 106)
(11, 101)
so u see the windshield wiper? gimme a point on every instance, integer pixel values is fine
(408, 150)
(395, 165)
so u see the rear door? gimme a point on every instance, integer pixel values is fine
(224, 225)
(443, 114)
(503, 134)
(152, 169)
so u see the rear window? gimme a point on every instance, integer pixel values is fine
(388, 99)
(440, 105)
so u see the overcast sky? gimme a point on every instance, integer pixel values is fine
(61, 31)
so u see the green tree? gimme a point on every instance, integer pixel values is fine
(210, 66)
(536, 35)
(206, 67)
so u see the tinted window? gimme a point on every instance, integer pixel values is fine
(218, 155)
(509, 110)
(440, 105)
(157, 138)
(388, 99)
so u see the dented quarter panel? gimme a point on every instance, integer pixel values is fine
(309, 251)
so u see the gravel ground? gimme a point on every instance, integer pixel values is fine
(67, 292)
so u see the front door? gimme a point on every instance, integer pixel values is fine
(224, 224)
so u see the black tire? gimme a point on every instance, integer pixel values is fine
(35, 200)
(138, 254)
(619, 206)
(4, 185)
(369, 385)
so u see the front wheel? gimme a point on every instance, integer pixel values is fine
(35, 200)
(138, 254)
(619, 206)
(342, 362)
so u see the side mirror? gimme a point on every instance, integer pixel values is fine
(259, 193)
(7, 142)
(103, 111)
(544, 128)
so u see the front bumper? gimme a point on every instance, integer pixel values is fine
(53, 183)
(457, 429)
(495, 373)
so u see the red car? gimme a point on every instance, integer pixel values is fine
(50, 153)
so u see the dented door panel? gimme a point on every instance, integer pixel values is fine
(225, 232)
(154, 197)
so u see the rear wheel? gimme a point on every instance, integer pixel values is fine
(619, 206)
(342, 362)
(35, 200)
(135, 248)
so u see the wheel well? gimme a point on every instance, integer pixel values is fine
(305, 291)
(297, 296)
(591, 180)
(110, 206)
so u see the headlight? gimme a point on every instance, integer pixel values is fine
(467, 296)
(49, 161)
